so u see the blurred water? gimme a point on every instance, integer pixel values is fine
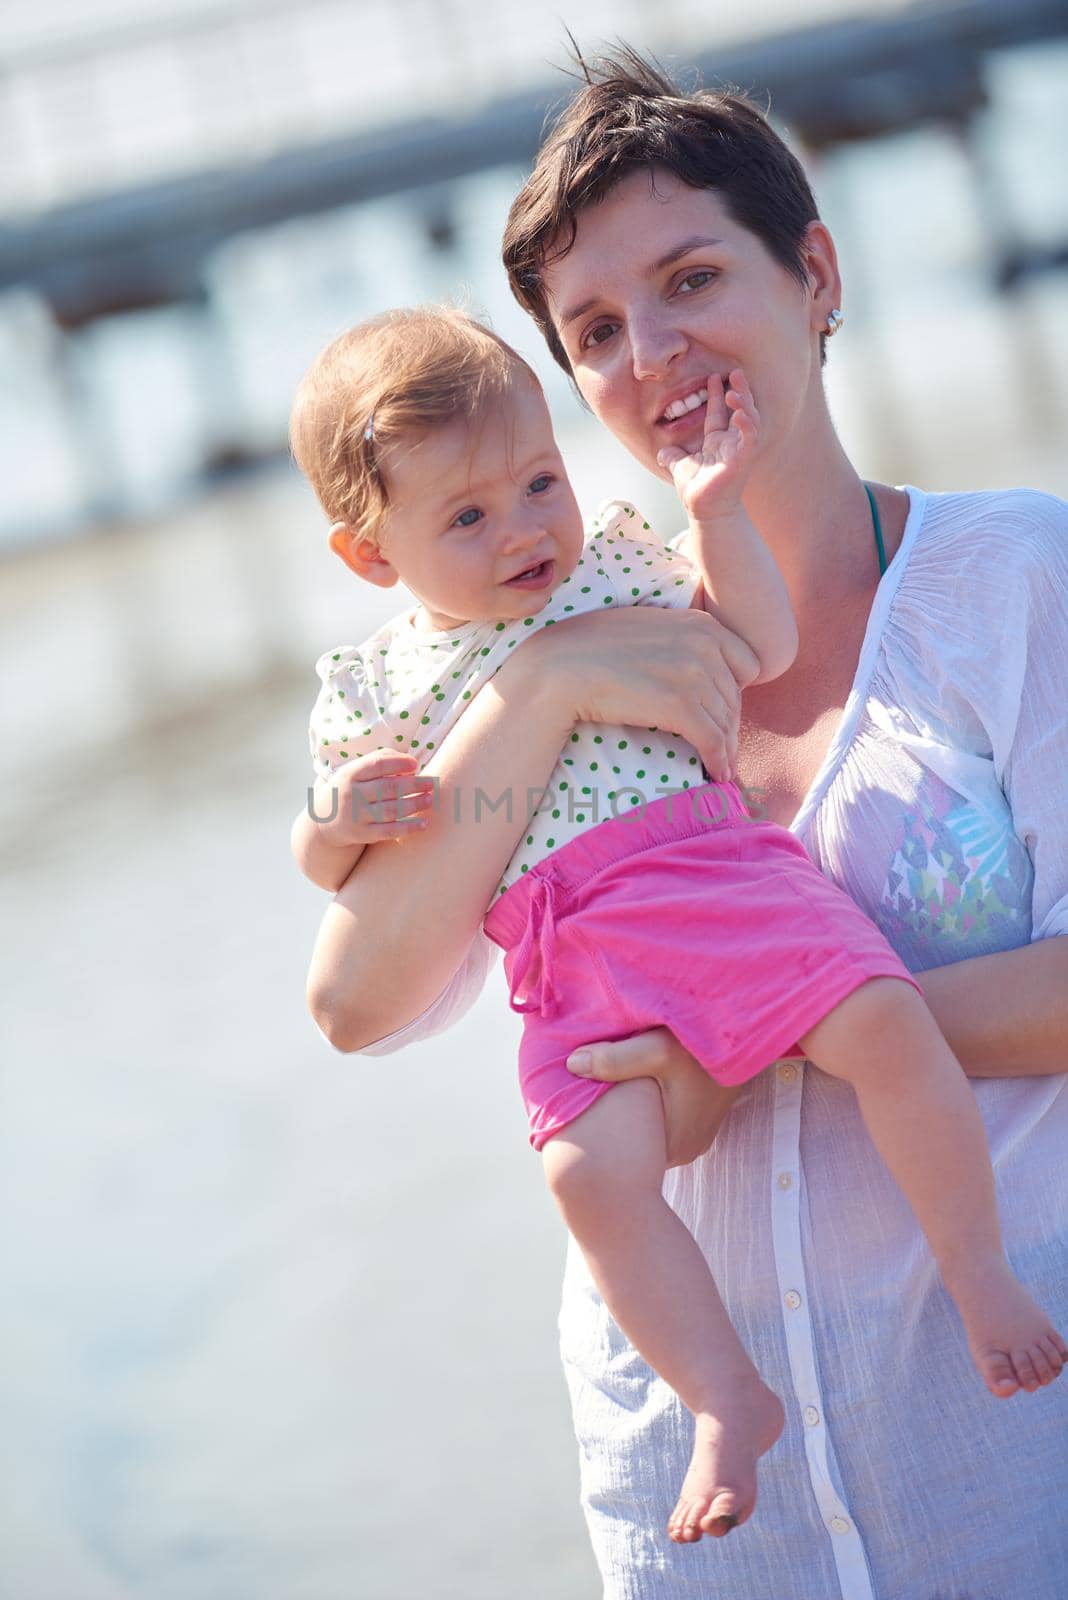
(276, 1323)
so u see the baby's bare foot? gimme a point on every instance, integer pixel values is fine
(1012, 1341)
(719, 1491)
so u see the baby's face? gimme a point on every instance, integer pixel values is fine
(483, 523)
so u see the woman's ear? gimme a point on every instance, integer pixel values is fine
(825, 281)
(361, 555)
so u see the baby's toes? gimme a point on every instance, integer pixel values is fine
(1024, 1367)
(1049, 1345)
(1044, 1370)
(998, 1373)
(684, 1522)
(722, 1515)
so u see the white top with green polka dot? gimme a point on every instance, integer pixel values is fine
(404, 689)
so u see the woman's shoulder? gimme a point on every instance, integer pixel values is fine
(1016, 527)
(972, 562)
(982, 574)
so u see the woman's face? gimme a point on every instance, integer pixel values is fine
(662, 288)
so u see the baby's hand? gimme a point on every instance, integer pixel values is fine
(710, 482)
(375, 796)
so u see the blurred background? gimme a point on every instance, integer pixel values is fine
(279, 1323)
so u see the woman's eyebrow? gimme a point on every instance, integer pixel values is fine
(577, 311)
(697, 241)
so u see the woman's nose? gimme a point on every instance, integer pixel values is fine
(654, 345)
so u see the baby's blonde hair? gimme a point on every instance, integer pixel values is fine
(398, 376)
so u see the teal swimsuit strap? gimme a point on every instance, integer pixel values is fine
(877, 525)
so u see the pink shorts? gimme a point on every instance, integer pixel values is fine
(687, 914)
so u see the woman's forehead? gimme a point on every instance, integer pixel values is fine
(649, 220)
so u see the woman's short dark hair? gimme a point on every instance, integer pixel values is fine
(631, 116)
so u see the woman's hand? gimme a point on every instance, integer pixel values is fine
(694, 1104)
(647, 666)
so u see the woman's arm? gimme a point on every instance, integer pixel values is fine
(326, 865)
(397, 930)
(695, 1105)
(400, 926)
(1005, 1015)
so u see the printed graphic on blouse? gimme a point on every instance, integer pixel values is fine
(404, 689)
(959, 880)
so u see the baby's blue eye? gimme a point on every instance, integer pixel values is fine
(541, 483)
(468, 518)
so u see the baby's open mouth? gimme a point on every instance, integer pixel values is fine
(533, 577)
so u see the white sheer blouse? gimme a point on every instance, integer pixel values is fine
(942, 809)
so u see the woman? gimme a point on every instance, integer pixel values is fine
(917, 747)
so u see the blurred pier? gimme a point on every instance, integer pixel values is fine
(192, 206)
(133, 239)
(147, 160)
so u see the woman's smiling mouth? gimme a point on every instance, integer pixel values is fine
(679, 408)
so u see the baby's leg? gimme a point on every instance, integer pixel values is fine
(923, 1119)
(606, 1170)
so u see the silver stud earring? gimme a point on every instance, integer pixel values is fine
(834, 322)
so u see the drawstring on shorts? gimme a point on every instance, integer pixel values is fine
(539, 934)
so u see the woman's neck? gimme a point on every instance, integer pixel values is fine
(814, 517)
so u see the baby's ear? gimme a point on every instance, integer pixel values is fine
(361, 555)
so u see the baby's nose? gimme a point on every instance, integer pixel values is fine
(524, 534)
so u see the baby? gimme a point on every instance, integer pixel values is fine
(640, 894)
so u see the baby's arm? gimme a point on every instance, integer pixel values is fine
(743, 587)
(374, 797)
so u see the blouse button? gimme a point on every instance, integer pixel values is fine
(792, 1298)
(839, 1524)
(787, 1073)
(811, 1415)
(784, 1180)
